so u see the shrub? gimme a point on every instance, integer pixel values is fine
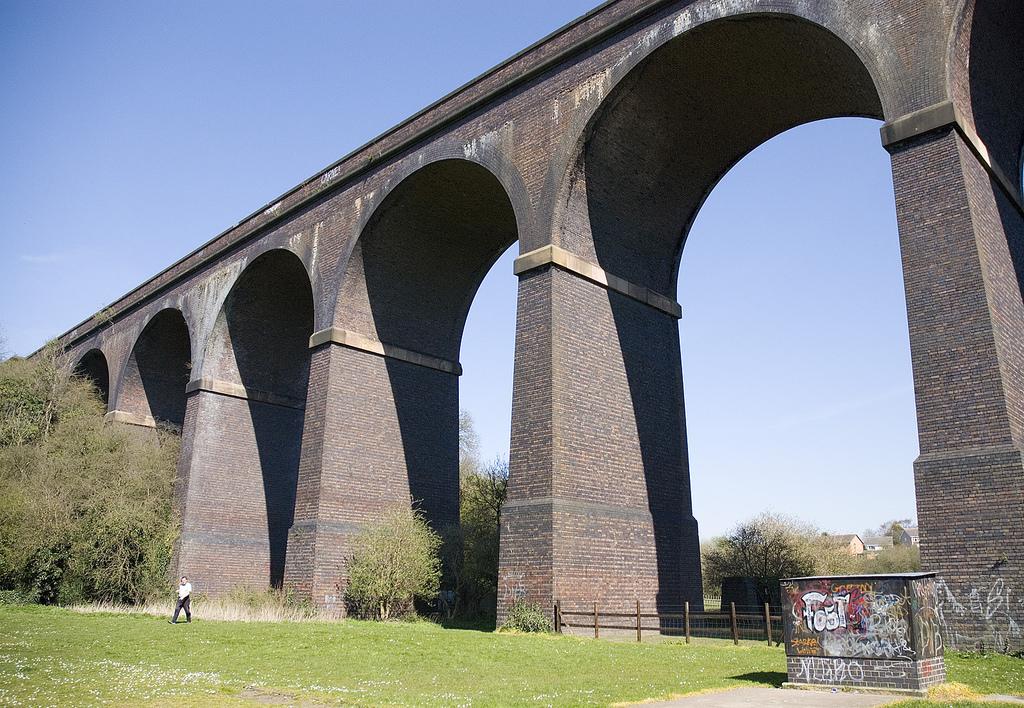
(898, 559)
(526, 617)
(17, 597)
(768, 548)
(85, 507)
(393, 563)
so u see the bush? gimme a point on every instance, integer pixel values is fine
(898, 559)
(393, 563)
(85, 507)
(526, 617)
(17, 597)
(768, 548)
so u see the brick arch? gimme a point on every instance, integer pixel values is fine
(412, 272)
(261, 334)
(244, 428)
(93, 367)
(491, 151)
(673, 127)
(985, 72)
(151, 387)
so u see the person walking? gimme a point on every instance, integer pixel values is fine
(184, 601)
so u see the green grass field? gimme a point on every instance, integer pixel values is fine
(54, 656)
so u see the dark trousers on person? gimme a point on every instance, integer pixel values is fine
(184, 603)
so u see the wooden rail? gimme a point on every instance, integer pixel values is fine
(738, 623)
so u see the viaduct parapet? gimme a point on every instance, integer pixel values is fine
(310, 354)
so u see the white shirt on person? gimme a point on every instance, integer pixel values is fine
(184, 591)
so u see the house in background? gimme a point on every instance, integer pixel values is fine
(910, 537)
(850, 542)
(873, 545)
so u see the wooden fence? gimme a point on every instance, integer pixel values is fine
(749, 623)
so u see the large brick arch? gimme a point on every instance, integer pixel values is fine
(245, 417)
(418, 262)
(986, 72)
(93, 367)
(151, 389)
(261, 336)
(390, 365)
(672, 128)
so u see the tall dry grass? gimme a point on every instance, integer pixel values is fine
(237, 606)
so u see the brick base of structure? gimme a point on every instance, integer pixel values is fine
(883, 675)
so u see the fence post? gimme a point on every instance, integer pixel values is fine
(735, 629)
(597, 625)
(768, 623)
(638, 636)
(556, 620)
(686, 620)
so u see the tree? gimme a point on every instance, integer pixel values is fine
(469, 445)
(768, 548)
(393, 563)
(85, 508)
(482, 495)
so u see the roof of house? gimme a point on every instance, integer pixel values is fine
(883, 541)
(844, 537)
(912, 530)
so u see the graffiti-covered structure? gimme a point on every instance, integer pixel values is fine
(872, 631)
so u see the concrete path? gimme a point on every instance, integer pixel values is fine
(771, 697)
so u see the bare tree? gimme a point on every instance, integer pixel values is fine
(469, 444)
(770, 547)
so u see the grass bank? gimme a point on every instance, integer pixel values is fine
(54, 656)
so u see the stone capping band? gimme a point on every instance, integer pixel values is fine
(946, 115)
(233, 390)
(964, 453)
(584, 508)
(360, 342)
(557, 256)
(143, 421)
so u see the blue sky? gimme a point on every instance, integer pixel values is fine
(132, 132)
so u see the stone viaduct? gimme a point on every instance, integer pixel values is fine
(310, 353)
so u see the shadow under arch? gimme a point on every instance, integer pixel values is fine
(93, 367)
(259, 354)
(409, 283)
(157, 371)
(991, 72)
(651, 154)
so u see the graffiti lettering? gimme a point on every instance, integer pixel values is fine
(822, 670)
(986, 616)
(824, 613)
(513, 586)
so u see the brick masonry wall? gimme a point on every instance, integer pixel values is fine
(614, 486)
(526, 555)
(237, 506)
(378, 433)
(966, 328)
(866, 673)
